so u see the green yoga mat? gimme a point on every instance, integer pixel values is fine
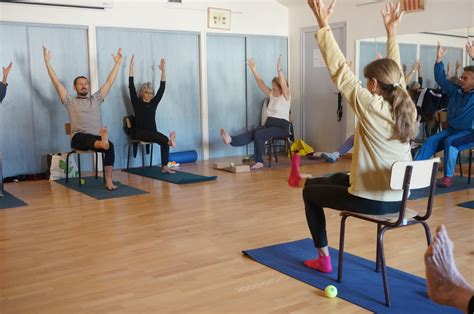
(179, 177)
(10, 201)
(95, 188)
(469, 204)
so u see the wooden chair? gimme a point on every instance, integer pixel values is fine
(130, 125)
(405, 176)
(67, 130)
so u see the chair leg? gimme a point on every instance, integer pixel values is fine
(377, 257)
(469, 169)
(103, 166)
(79, 167)
(128, 156)
(288, 148)
(143, 155)
(460, 165)
(341, 248)
(96, 165)
(151, 155)
(274, 151)
(270, 142)
(427, 232)
(67, 167)
(382, 262)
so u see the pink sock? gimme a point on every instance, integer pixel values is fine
(295, 178)
(322, 264)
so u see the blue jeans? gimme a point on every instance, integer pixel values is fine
(273, 128)
(442, 141)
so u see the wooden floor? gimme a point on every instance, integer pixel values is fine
(178, 248)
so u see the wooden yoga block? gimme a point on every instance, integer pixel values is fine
(226, 166)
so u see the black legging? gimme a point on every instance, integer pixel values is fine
(85, 141)
(273, 128)
(332, 192)
(158, 138)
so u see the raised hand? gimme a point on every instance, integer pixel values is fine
(392, 15)
(470, 49)
(118, 57)
(320, 11)
(349, 64)
(279, 64)
(132, 61)
(6, 70)
(378, 56)
(162, 65)
(46, 55)
(416, 66)
(440, 52)
(458, 65)
(251, 63)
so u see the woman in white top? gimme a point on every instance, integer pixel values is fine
(278, 115)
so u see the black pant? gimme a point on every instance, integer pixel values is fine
(84, 141)
(332, 192)
(158, 138)
(273, 128)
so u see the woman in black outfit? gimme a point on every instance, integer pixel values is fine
(144, 105)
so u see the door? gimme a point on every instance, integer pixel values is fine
(321, 128)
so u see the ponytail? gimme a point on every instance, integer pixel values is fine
(403, 107)
(403, 110)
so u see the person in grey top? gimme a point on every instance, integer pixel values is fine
(84, 114)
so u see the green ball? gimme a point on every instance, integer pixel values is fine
(83, 181)
(330, 291)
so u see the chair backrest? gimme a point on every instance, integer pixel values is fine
(129, 126)
(67, 128)
(407, 175)
(421, 174)
(443, 120)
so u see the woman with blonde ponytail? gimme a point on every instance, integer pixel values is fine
(386, 118)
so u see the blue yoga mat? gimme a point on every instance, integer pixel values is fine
(183, 157)
(459, 184)
(360, 284)
(179, 177)
(10, 201)
(469, 204)
(96, 189)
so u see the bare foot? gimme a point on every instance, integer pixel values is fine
(257, 165)
(166, 169)
(172, 138)
(110, 186)
(444, 282)
(104, 138)
(225, 137)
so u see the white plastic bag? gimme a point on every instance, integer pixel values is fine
(58, 167)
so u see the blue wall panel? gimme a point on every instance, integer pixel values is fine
(32, 117)
(226, 68)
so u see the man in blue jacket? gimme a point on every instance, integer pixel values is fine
(460, 117)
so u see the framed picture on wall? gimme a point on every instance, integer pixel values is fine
(218, 18)
(412, 5)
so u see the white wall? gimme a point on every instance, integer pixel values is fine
(255, 17)
(365, 22)
(248, 17)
